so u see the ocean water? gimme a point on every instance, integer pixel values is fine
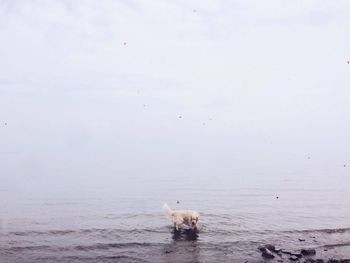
(124, 223)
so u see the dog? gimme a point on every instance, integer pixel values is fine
(180, 217)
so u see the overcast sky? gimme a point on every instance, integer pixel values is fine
(108, 89)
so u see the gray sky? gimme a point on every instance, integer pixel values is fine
(94, 90)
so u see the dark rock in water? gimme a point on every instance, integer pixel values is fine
(267, 251)
(178, 202)
(309, 260)
(301, 240)
(293, 257)
(286, 252)
(267, 254)
(262, 248)
(345, 261)
(291, 253)
(308, 252)
(167, 251)
(333, 261)
(267, 246)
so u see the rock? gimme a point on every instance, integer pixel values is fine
(267, 246)
(308, 252)
(291, 253)
(301, 240)
(267, 254)
(267, 251)
(294, 258)
(286, 252)
(345, 261)
(333, 261)
(309, 260)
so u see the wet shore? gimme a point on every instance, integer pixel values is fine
(339, 253)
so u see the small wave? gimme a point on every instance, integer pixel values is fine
(92, 231)
(337, 245)
(323, 230)
(60, 203)
(117, 258)
(104, 246)
(36, 233)
(19, 249)
(130, 215)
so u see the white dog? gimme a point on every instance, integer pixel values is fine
(180, 217)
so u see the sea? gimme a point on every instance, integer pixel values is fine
(124, 222)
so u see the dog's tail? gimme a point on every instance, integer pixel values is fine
(167, 211)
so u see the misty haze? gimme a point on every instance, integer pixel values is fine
(236, 109)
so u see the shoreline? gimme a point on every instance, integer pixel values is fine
(325, 254)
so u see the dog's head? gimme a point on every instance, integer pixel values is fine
(194, 219)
